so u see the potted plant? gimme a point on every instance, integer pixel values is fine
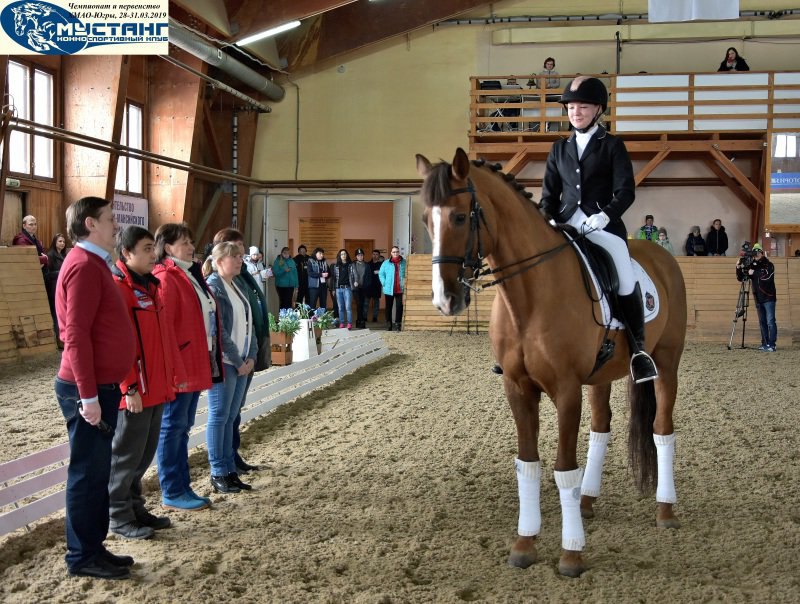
(283, 329)
(321, 319)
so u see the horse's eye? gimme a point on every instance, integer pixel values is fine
(461, 219)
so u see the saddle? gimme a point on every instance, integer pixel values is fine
(600, 264)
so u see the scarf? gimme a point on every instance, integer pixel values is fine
(396, 261)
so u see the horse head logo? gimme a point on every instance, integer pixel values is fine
(34, 25)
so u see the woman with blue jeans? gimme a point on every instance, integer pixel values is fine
(344, 282)
(191, 311)
(239, 349)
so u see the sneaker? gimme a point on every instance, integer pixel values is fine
(763, 347)
(349, 326)
(770, 349)
(154, 522)
(184, 502)
(133, 530)
(191, 493)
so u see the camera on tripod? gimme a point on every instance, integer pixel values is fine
(746, 255)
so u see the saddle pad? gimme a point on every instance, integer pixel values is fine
(649, 292)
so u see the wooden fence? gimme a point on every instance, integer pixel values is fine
(32, 486)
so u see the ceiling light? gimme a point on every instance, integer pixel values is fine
(269, 32)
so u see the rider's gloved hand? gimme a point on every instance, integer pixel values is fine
(597, 222)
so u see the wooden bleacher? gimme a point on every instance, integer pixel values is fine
(26, 327)
(712, 292)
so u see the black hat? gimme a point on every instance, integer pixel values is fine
(359, 251)
(587, 90)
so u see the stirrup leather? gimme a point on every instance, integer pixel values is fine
(649, 373)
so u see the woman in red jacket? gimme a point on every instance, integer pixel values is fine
(192, 312)
(150, 383)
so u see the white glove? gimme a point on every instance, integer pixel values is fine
(597, 222)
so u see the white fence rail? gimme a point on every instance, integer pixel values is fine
(23, 480)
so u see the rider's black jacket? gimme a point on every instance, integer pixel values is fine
(602, 180)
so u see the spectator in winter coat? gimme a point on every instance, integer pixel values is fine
(191, 309)
(362, 288)
(285, 271)
(761, 273)
(663, 240)
(695, 245)
(393, 279)
(301, 261)
(717, 239)
(648, 230)
(151, 382)
(27, 236)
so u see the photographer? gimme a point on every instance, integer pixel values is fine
(754, 265)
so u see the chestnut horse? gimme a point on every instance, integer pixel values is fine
(545, 334)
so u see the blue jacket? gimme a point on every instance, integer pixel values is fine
(230, 353)
(285, 271)
(386, 275)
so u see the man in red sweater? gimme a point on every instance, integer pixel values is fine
(99, 349)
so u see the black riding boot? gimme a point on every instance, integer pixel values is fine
(389, 326)
(643, 369)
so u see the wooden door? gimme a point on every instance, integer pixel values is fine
(12, 217)
(351, 245)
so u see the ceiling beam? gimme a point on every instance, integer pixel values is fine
(357, 25)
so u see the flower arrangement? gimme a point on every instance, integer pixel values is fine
(287, 322)
(323, 319)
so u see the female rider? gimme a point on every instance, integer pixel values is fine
(588, 184)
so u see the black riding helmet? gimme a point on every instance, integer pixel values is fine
(588, 90)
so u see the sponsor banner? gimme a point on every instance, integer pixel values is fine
(130, 210)
(102, 27)
(785, 180)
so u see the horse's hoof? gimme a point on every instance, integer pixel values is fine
(523, 553)
(668, 523)
(665, 517)
(587, 509)
(521, 559)
(571, 564)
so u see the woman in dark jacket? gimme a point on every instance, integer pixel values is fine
(55, 258)
(150, 383)
(344, 282)
(589, 184)
(717, 239)
(695, 246)
(733, 62)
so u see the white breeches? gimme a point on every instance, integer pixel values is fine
(616, 247)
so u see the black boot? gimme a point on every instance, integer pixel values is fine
(643, 369)
(397, 326)
(389, 326)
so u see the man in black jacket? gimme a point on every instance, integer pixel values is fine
(761, 273)
(302, 274)
(717, 239)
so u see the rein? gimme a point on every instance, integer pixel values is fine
(475, 260)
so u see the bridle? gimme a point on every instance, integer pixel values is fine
(473, 258)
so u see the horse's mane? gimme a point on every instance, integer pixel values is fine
(436, 187)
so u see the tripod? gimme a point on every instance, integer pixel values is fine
(741, 310)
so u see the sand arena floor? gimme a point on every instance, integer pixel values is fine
(397, 485)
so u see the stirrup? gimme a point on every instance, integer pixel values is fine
(648, 371)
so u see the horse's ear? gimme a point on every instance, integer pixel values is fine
(460, 167)
(423, 165)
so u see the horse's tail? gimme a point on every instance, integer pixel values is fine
(641, 447)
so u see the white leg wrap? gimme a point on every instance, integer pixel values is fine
(665, 451)
(569, 491)
(598, 445)
(529, 474)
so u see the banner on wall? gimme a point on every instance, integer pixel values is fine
(60, 27)
(131, 210)
(662, 11)
(324, 232)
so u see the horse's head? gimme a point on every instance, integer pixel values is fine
(27, 16)
(450, 215)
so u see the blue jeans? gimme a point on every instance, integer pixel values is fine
(766, 321)
(88, 472)
(173, 444)
(237, 437)
(344, 302)
(224, 402)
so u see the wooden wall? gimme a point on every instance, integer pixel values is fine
(26, 326)
(712, 293)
